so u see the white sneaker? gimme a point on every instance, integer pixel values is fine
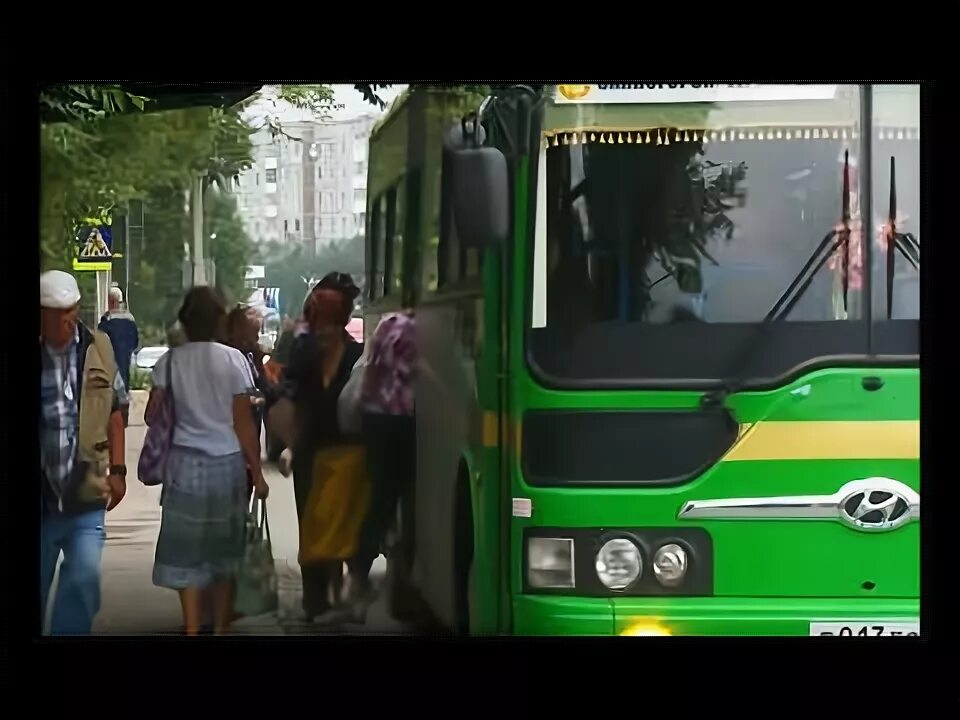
(334, 616)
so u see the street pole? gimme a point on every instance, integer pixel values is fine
(126, 259)
(199, 270)
(104, 278)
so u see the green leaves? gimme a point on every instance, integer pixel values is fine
(317, 99)
(229, 245)
(107, 152)
(86, 103)
(285, 269)
(369, 93)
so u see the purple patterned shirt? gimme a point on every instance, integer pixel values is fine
(388, 383)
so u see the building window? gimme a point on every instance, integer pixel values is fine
(286, 226)
(359, 168)
(271, 175)
(378, 242)
(386, 243)
(296, 225)
(360, 195)
(326, 160)
(270, 211)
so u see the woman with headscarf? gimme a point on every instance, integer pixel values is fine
(320, 364)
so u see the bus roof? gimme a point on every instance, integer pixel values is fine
(391, 112)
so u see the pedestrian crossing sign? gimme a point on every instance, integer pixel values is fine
(94, 248)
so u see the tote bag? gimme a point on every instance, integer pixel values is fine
(152, 466)
(256, 590)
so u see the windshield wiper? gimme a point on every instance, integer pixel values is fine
(906, 243)
(836, 239)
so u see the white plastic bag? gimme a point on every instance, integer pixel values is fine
(349, 411)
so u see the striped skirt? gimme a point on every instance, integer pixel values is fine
(204, 500)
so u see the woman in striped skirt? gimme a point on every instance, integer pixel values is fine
(205, 491)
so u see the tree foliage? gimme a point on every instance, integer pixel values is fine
(229, 245)
(291, 270)
(87, 102)
(89, 168)
(101, 147)
(371, 93)
(157, 278)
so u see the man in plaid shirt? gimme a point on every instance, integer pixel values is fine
(82, 469)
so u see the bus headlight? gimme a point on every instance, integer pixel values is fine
(670, 565)
(619, 564)
(550, 562)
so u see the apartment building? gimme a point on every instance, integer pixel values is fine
(307, 185)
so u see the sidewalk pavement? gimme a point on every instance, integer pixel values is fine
(132, 604)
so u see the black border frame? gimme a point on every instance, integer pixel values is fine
(432, 667)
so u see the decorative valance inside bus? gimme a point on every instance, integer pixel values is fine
(781, 112)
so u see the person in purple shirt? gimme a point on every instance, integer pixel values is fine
(390, 437)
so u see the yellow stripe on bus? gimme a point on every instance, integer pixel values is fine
(490, 429)
(828, 440)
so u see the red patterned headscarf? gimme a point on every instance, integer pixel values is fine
(326, 307)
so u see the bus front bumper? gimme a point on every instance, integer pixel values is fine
(555, 615)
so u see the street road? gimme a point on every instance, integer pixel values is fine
(132, 604)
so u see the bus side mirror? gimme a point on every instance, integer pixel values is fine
(481, 198)
(479, 187)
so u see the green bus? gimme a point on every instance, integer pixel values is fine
(669, 378)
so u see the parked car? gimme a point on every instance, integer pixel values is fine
(355, 328)
(148, 356)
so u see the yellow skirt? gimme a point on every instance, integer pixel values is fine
(337, 505)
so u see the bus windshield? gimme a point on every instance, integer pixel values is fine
(665, 231)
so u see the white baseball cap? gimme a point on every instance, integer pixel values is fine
(58, 290)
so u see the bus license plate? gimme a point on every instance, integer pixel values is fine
(877, 628)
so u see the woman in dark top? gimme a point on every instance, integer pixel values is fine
(319, 367)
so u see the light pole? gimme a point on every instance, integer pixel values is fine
(199, 270)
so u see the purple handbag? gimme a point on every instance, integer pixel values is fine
(152, 466)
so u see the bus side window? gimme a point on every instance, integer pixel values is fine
(388, 237)
(457, 263)
(448, 251)
(377, 250)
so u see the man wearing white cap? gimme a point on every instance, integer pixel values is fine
(121, 327)
(81, 453)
